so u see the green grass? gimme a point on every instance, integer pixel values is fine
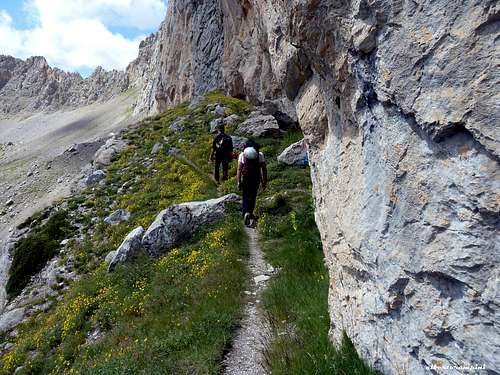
(176, 314)
(32, 253)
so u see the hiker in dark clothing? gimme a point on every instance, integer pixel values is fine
(222, 153)
(251, 173)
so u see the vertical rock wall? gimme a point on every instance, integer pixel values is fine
(399, 104)
(185, 56)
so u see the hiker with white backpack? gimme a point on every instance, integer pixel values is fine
(251, 173)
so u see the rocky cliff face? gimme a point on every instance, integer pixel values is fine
(186, 56)
(32, 86)
(399, 104)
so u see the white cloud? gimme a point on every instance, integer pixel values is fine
(75, 34)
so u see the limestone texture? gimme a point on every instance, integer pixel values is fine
(178, 223)
(129, 248)
(259, 125)
(399, 105)
(295, 154)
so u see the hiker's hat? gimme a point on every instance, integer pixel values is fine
(250, 153)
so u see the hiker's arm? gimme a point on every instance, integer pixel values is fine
(238, 175)
(264, 175)
(212, 151)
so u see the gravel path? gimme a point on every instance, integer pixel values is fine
(246, 356)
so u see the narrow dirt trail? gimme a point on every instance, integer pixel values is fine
(246, 355)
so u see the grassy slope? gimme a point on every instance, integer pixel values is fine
(177, 314)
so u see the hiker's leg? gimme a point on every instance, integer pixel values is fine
(225, 169)
(252, 198)
(217, 169)
(246, 202)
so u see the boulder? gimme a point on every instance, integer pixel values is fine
(109, 257)
(95, 177)
(259, 125)
(177, 125)
(117, 217)
(238, 142)
(220, 110)
(295, 154)
(128, 249)
(214, 124)
(231, 119)
(108, 151)
(10, 319)
(177, 223)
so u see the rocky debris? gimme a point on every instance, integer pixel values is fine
(108, 151)
(231, 119)
(177, 126)
(95, 177)
(10, 202)
(295, 154)
(35, 296)
(238, 142)
(214, 124)
(259, 125)
(156, 148)
(10, 319)
(128, 249)
(117, 217)
(219, 110)
(94, 336)
(177, 223)
(261, 278)
(32, 86)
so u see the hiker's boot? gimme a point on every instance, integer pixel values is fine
(247, 218)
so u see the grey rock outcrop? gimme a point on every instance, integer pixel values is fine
(185, 56)
(177, 223)
(129, 248)
(108, 151)
(215, 124)
(117, 217)
(238, 142)
(10, 319)
(294, 154)
(95, 177)
(259, 125)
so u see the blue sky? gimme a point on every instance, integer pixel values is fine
(78, 35)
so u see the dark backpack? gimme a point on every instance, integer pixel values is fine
(224, 146)
(250, 169)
